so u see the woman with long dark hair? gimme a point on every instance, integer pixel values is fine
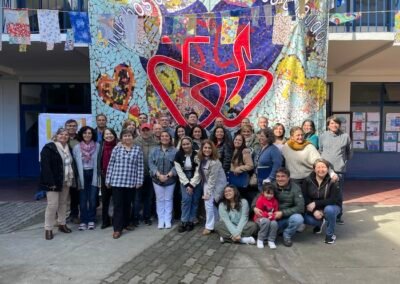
(191, 190)
(107, 145)
(234, 225)
(198, 134)
(279, 134)
(309, 130)
(85, 154)
(179, 134)
(224, 146)
(213, 179)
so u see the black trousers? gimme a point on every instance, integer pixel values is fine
(74, 206)
(122, 199)
(106, 194)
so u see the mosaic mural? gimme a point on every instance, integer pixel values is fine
(227, 58)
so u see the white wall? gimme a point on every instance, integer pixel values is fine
(9, 116)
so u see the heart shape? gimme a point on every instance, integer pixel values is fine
(117, 91)
(241, 49)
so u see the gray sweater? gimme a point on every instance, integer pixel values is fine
(336, 148)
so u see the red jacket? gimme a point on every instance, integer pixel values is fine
(267, 207)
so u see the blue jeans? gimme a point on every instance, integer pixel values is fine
(290, 225)
(341, 187)
(190, 203)
(87, 198)
(330, 214)
(144, 196)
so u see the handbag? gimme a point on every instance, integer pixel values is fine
(240, 180)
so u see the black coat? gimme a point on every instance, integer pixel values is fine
(52, 168)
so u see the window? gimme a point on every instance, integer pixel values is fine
(376, 107)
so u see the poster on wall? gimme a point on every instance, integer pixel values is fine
(219, 58)
(373, 146)
(373, 130)
(393, 122)
(49, 123)
(358, 144)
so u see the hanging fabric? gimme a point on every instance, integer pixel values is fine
(22, 48)
(302, 7)
(1, 30)
(69, 41)
(229, 29)
(397, 29)
(291, 8)
(17, 26)
(268, 15)
(106, 30)
(341, 18)
(80, 25)
(49, 27)
(255, 16)
(130, 26)
(282, 29)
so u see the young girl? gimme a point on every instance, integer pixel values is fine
(267, 223)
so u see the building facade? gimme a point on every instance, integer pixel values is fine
(363, 77)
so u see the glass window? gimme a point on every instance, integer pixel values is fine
(365, 93)
(75, 94)
(56, 95)
(31, 128)
(31, 94)
(392, 93)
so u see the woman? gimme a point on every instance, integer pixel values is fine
(268, 160)
(322, 200)
(234, 224)
(299, 155)
(125, 172)
(198, 134)
(162, 170)
(242, 164)
(250, 138)
(213, 179)
(56, 176)
(85, 154)
(187, 170)
(108, 143)
(130, 125)
(308, 127)
(279, 134)
(224, 147)
(179, 134)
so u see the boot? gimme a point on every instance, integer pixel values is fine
(48, 234)
(64, 229)
(183, 227)
(189, 226)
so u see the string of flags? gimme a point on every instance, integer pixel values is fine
(16, 25)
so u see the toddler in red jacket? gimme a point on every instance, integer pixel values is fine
(268, 226)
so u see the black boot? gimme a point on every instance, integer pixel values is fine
(183, 227)
(189, 226)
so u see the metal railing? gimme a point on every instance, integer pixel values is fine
(377, 16)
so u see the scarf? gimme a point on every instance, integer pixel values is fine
(67, 162)
(297, 146)
(107, 150)
(87, 150)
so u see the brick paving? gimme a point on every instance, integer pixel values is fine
(178, 258)
(18, 215)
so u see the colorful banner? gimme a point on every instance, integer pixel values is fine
(341, 18)
(17, 26)
(229, 67)
(397, 29)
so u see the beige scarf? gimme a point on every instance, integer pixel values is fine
(67, 162)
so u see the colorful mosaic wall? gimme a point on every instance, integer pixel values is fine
(228, 58)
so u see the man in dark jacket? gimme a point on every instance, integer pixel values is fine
(291, 205)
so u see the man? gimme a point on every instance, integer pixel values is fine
(336, 147)
(144, 194)
(73, 215)
(262, 122)
(219, 121)
(143, 118)
(101, 122)
(157, 129)
(291, 205)
(165, 124)
(192, 120)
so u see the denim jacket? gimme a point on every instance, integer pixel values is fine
(163, 162)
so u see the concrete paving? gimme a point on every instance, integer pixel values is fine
(367, 251)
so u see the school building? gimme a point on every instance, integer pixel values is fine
(363, 80)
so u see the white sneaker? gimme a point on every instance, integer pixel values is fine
(248, 240)
(301, 228)
(271, 245)
(82, 227)
(260, 244)
(91, 226)
(221, 240)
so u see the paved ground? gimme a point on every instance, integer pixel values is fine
(367, 250)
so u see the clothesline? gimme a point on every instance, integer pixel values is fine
(196, 15)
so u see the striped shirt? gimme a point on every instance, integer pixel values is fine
(126, 168)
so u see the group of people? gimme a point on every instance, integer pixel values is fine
(279, 182)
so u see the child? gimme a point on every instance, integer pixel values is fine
(267, 203)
